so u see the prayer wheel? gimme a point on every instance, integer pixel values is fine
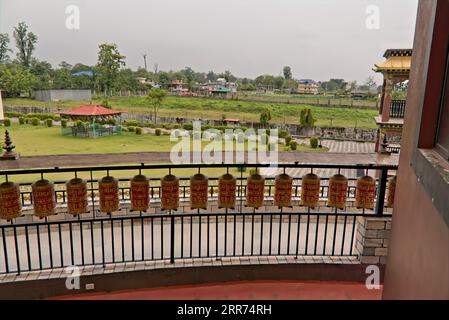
(169, 192)
(365, 193)
(227, 186)
(44, 200)
(283, 190)
(76, 196)
(255, 188)
(10, 204)
(310, 190)
(391, 191)
(109, 200)
(198, 191)
(338, 191)
(140, 193)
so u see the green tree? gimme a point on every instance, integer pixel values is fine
(4, 49)
(155, 97)
(15, 79)
(287, 71)
(44, 74)
(265, 117)
(25, 43)
(306, 118)
(109, 63)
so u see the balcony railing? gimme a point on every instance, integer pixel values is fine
(397, 109)
(28, 243)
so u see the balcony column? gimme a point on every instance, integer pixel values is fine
(386, 100)
(372, 239)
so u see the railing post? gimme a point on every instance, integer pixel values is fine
(172, 238)
(381, 191)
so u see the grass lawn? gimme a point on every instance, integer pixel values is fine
(31, 141)
(203, 108)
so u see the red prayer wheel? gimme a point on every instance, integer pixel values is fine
(310, 190)
(76, 196)
(391, 191)
(283, 190)
(227, 186)
(44, 200)
(198, 191)
(338, 191)
(10, 204)
(365, 193)
(255, 188)
(109, 200)
(169, 192)
(140, 194)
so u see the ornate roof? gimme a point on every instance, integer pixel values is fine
(397, 61)
(91, 110)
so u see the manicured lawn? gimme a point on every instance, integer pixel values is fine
(203, 108)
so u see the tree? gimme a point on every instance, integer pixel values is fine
(287, 72)
(306, 118)
(4, 49)
(15, 79)
(109, 63)
(155, 97)
(25, 43)
(278, 82)
(265, 117)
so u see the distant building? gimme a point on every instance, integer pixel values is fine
(219, 88)
(307, 86)
(63, 95)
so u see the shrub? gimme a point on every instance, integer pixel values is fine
(112, 121)
(64, 123)
(138, 130)
(158, 132)
(283, 133)
(293, 145)
(28, 120)
(288, 139)
(11, 114)
(7, 122)
(124, 129)
(187, 126)
(241, 169)
(35, 121)
(21, 120)
(132, 123)
(49, 122)
(131, 129)
(79, 123)
(314, 142)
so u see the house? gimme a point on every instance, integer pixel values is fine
(307, 86)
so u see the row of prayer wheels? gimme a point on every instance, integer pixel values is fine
(44, 200)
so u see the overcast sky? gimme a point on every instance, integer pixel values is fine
(319, 39)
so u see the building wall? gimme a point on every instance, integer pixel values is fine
(62, 95)
(418, 259)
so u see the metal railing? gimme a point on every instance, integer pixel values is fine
(28, 243)
(397, 109)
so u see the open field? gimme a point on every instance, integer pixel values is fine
(203, 108)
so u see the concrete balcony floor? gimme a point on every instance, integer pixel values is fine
(245, 290)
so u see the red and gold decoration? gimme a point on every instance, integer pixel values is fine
(76, 196)
(44, 200)
(338, 191)
(10, 204)
(169, 192)
(227, 186)
(391, 191)
(310, 190)
(283, 190)
(365, 193)
(198, 191)
(140, 193)
(109, 200)
(255, 188)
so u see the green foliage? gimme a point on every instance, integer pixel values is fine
(111, 121)
(187, 126)
(158, 132)
(287, 71)
(254, 171)
(155, 98)
(265, 117)
(79, 123)
(288, 139)
(21, 120)
(15, 79)
(131, 129)
(4, 49)
(25, 42)
(49, 122)
(35, 121)
(105, 103)
(306, 118)
(64, 123)
(139, 130)
(109, 63)
(7, 122)
(293, 145)
(314, 142)
(283, 133)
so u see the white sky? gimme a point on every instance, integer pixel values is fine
(319, 39)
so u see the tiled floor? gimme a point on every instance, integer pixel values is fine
(254, 290)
